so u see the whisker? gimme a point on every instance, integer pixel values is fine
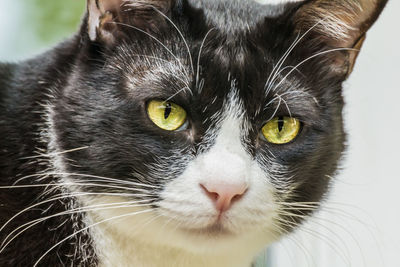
(330, 242)
(344, 255)
(98, 207)
(181, 35)
(156, 39)
(86, 228)
(298, 244)
(63, 196)
(338, 212)
(71, 184)
(175, 94)
(116, 65)
(279, 64)
(287, 107)
(287, 252)
(147, 222)
(56, 153)
(276, 110)
(89, 176)
(300, 204)
(311, 57)
(285, 56)
(199, 57)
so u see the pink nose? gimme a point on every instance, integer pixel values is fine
(223, 195)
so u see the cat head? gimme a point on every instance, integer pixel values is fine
(220, 122)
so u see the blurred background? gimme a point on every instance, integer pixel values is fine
(359, 225)
(28, 27)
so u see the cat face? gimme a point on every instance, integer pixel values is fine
(212, 124)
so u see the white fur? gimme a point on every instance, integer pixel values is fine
(178, 234)
(136, 242)
(94, 20)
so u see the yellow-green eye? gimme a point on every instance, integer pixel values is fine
(281, 130)
(166, 115)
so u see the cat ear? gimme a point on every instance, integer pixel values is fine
(108, 20)
(339, 24)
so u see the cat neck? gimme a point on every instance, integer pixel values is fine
(116, 250)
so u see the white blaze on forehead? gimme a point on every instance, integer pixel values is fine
(227, 160)
(231, 130)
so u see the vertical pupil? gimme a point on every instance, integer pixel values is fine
(168, 109)
(280, 123)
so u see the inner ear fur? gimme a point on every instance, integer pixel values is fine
(339, 24)
(109, 20)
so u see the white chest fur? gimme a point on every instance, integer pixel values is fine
(116, 250)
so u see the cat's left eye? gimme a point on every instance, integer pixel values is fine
(166, 115)
(281, 130)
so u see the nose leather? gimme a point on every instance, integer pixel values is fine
(223, 195)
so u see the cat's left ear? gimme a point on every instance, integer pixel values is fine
(107, 20)
(339, 24)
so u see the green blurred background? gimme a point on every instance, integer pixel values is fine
(29, 27)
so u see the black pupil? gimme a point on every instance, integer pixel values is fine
(280, 123)
(168, 109)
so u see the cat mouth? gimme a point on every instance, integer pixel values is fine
(216, 229)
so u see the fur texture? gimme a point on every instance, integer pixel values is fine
(87, 179)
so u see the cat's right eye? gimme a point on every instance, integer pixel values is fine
(166, 115)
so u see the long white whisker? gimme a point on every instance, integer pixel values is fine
(276, 110)
(311, 57)
(99, 207)
(199, 57)
(279, 64)
(296, 242)
(86, 228)
(175, 94)
(301, 204)
(147, 57)
(285, 56)
(57, 153)
(88, 176)
(70, 184)
(63, 196)
(343, 254)
(156, 39)
(180, 33)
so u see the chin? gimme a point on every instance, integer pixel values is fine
(218, 235)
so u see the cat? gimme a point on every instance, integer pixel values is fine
(175, 132)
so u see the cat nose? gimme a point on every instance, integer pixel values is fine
(224, 195)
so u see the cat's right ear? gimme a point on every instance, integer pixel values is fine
(109, 20)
